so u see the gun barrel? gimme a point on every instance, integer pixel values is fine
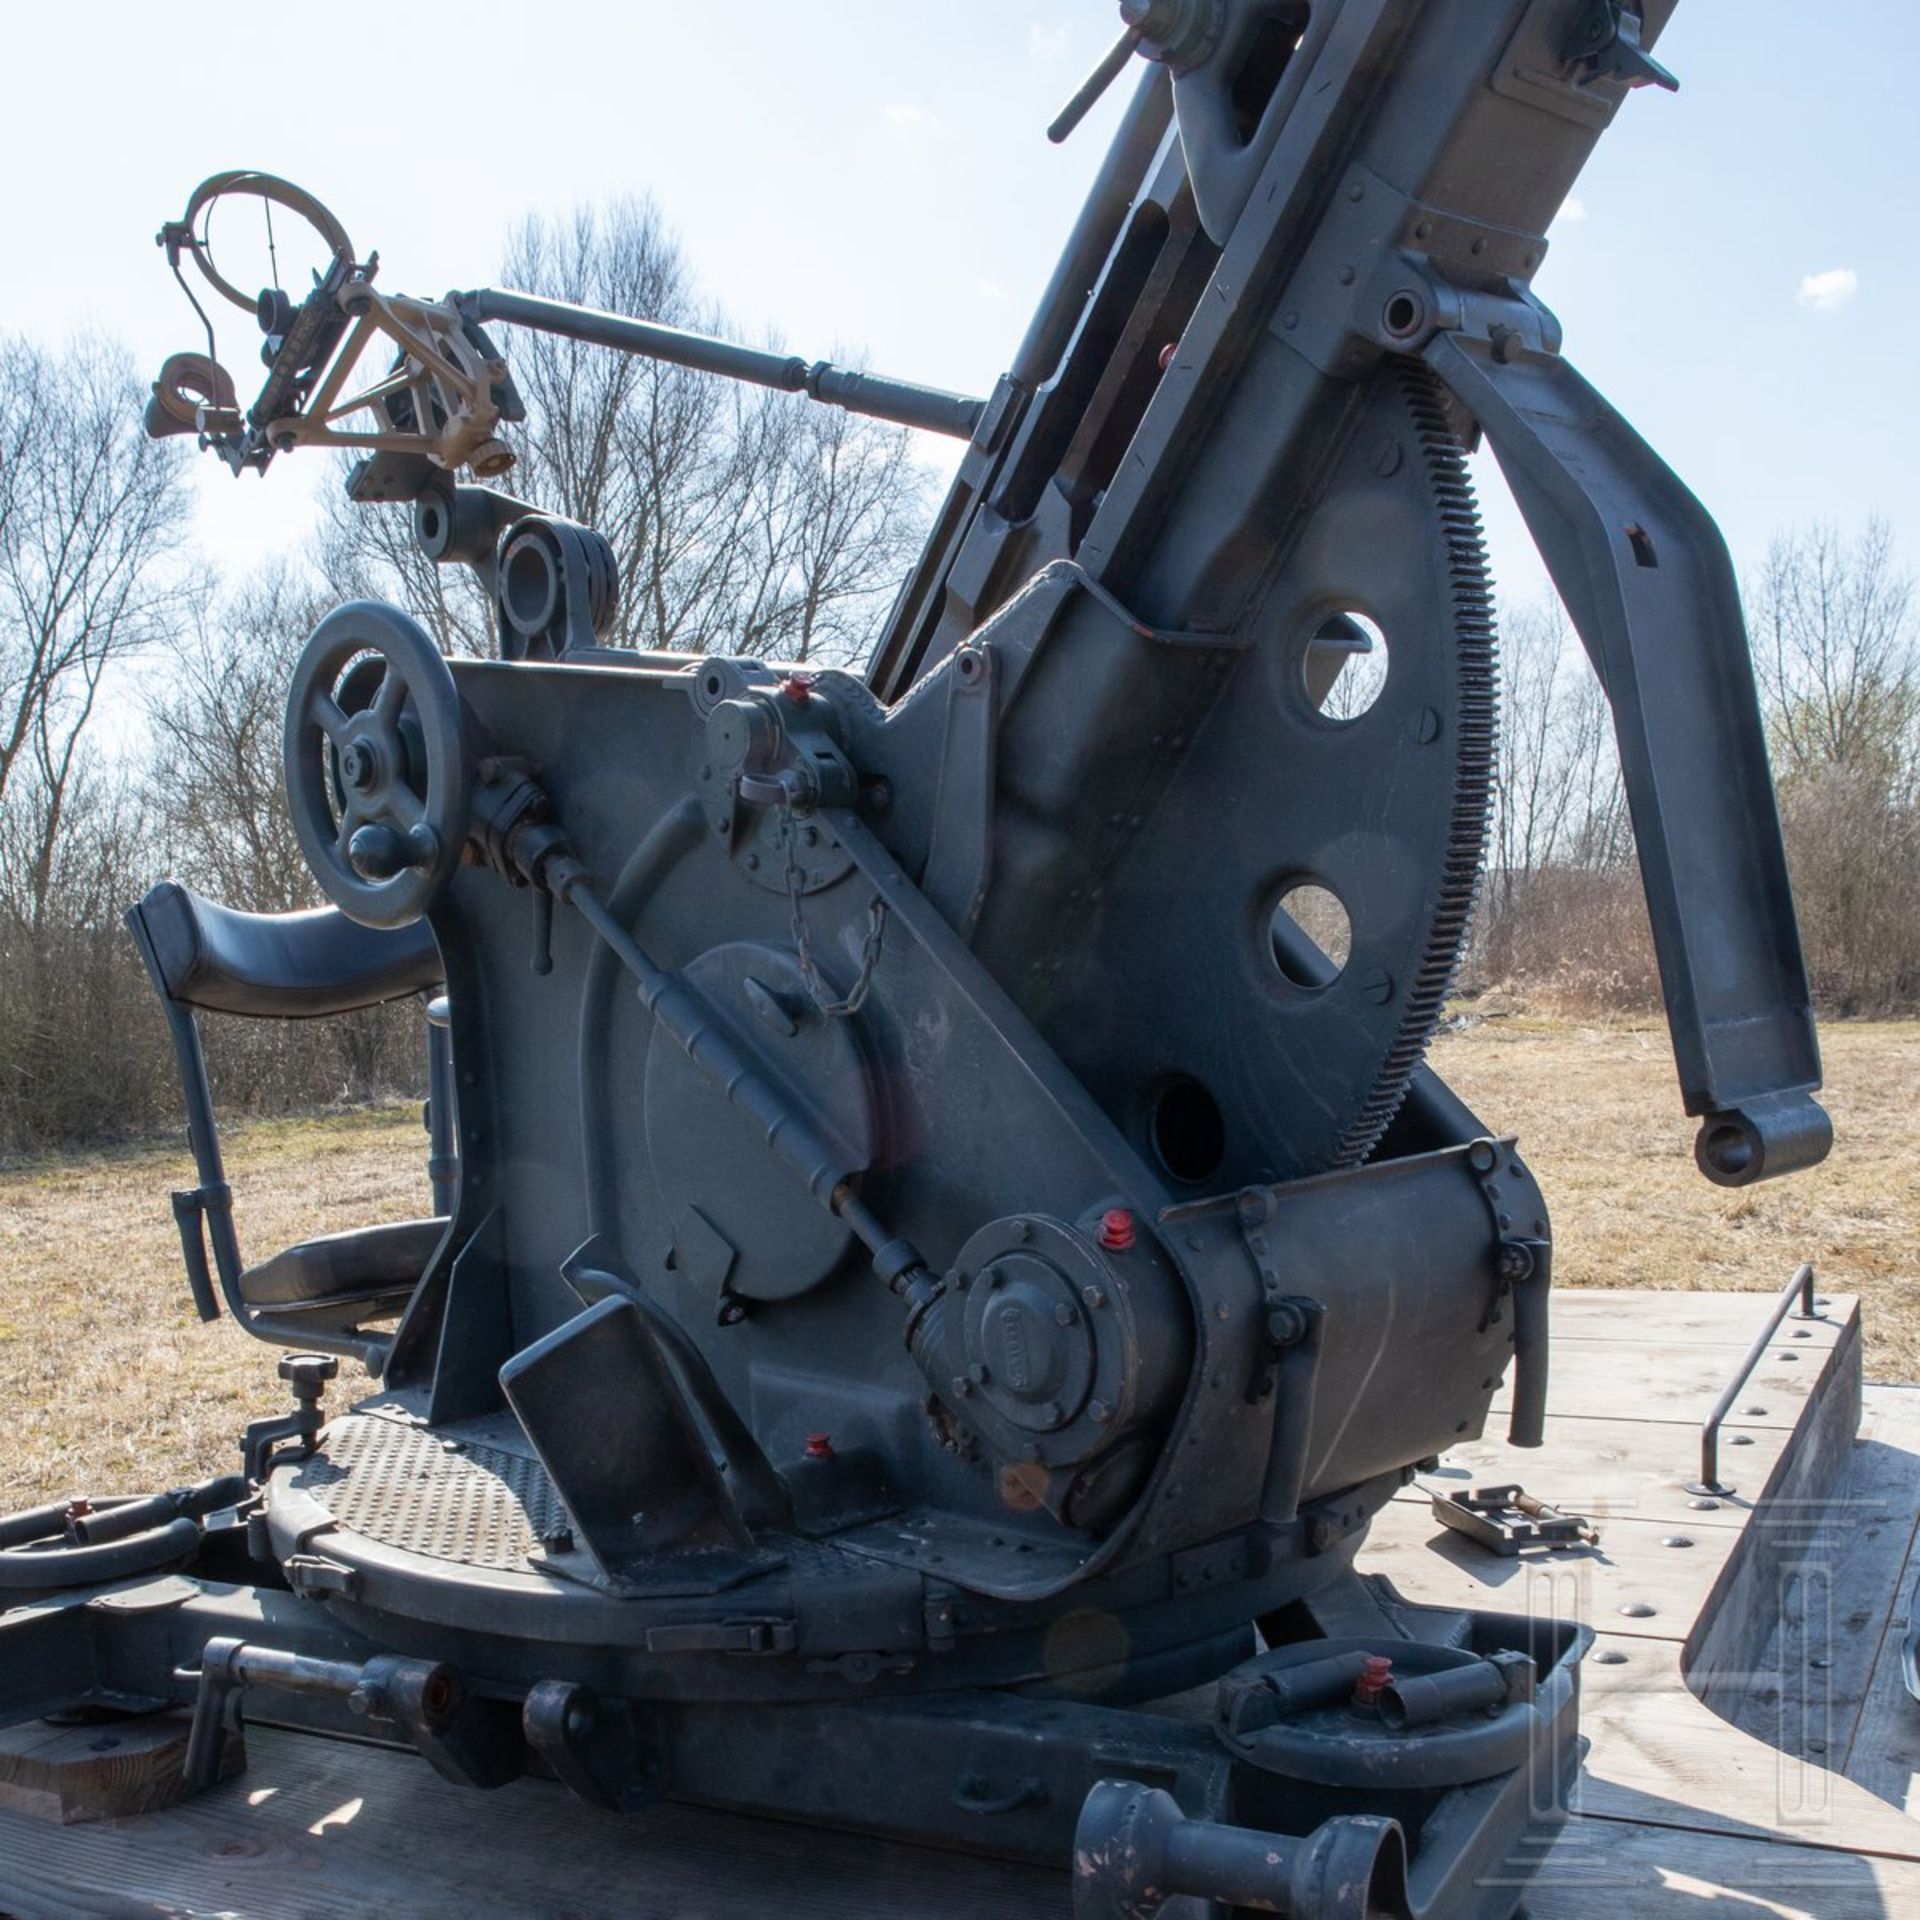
(902, 401)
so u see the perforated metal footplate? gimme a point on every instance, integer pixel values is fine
(405, 1487)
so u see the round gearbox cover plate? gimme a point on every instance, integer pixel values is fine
(1028, 1345)
(742, 1221)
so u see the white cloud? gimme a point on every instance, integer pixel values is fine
(1572, 210)
(916, 134)
(911, 119)
(1828, 292)
(1046, 43)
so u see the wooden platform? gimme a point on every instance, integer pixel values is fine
(1782, 1794)
(1753, 1746)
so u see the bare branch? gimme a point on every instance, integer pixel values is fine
(742, 521)
(91, 514)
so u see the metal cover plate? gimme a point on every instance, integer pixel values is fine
(404, 1487)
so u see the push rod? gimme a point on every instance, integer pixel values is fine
(931, 409)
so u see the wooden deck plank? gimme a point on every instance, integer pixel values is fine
(1662, 1872)
(1838, 1603)
(77, 1773)
(1883, 1750)
(1739, 1617)
(321, 1830)
(1884, 1756)
(1675, 1319)
(1610, 1469)
(1661, 1754)
(1629, 1569)
(1679, 1382)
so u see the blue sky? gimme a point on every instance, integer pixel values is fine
(1737, 270)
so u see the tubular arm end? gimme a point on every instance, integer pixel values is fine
(1776, 1134)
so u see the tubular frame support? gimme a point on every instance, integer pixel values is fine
(203, 1214)
(1801, 1288)
(931, 409)
(1646, 577)
(1532, 1366)
(168, 1543)
(122, 1520)
(63, 1546)
(1043, 1781)
(787, 1131)
(443, 1153)
(1112, 64)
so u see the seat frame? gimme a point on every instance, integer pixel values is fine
(203, 957)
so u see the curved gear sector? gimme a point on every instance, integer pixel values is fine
(1204, 1015)
(1475, 737)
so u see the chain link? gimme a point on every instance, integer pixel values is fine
(869, 955)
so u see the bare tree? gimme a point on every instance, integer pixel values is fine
(845, 516)
(369, 553)
(216, 795)
(1837, 643)
(216, 781)
(82, 1054)
(664, 462)
(1837, 649)
(1559, 808)
(742, 520)
(91, 512)
(71, 872)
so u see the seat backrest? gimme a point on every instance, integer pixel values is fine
(288, 966)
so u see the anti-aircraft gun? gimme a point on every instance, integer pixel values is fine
(931, 1254)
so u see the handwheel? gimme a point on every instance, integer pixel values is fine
(377, 777)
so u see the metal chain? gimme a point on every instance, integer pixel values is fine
(809, 973)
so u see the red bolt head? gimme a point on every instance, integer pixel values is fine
(796, 686)
(1166, 354)
(1375, 1673)
(1116, 1230)
(819, 1446)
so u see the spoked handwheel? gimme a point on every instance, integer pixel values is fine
(377, 774)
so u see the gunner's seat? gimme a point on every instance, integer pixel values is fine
(276, 966)
(208, 958)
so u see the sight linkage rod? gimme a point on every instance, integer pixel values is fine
(906, 404)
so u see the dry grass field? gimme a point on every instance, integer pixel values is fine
(1597, 1110)
(108, 1383)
